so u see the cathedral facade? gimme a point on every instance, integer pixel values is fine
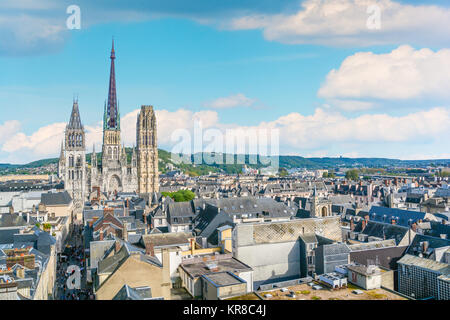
(114, 173)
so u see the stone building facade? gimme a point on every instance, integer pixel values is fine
(72, 160)
(147, 161)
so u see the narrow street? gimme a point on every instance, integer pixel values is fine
(74, 252)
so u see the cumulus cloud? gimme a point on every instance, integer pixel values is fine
(44, 141)
(233, 101)
(297, 132)
(404, 73)
(344, 23)
(8, 129)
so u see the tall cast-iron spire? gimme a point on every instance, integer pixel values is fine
(112, 116)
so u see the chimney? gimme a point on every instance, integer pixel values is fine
(414, 227)
(118, 246)
(352, 224)
(366, 217)
(364, 223)
(393, 221)
(166, 266)
(150, 249)
(425, 246)
(101, 235)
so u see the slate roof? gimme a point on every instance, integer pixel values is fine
(129, 293)
(377, 213)
(56, 199)
(167, 239)
(387, 256)
(110, 264)
(440, 267)
(309, 238)
(383, 230)
(433, 243)
(335, 249)
(8, 220)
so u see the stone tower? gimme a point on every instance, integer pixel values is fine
(114, 174)
(111, 121)
(147, 151)
(72, 162)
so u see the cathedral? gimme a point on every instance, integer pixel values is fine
(114, 173)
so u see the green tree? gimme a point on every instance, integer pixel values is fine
(352, 174)
(180, 195)
(282, 172)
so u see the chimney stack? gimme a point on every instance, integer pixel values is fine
(352, 224)
(424, 246)
(150, 249)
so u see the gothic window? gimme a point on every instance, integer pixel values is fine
(109, 152)
(71, 161)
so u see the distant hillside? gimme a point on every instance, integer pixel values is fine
(287, 162)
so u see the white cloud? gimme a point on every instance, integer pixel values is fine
(298, 133)
(404, 73)
(352, 105)
(233, 101)
(344, 23)
(8, 129)
(44, 141)
(24, 33)
(28, 27)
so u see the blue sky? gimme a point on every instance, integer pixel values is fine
(312, 69)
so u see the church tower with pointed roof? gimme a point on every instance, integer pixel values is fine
(114, 174)
(72, 160)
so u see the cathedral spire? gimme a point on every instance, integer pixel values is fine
(112, 116)
(75, 120)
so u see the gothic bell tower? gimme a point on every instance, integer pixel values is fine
(147, 151)
(73, 160)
